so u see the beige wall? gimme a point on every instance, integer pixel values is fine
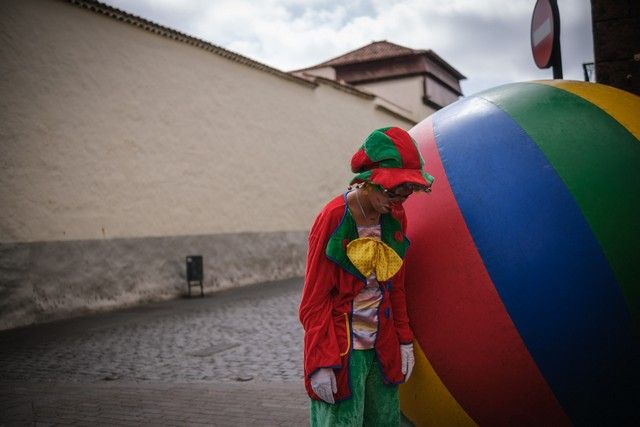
(406, 92)
(123, 151)
(326, 72)
(112, 131)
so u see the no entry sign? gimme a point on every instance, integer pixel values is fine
(545, 36)
(543, 33)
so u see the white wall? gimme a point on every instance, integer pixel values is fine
(406, 92)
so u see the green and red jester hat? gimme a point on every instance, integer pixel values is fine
(389, 157)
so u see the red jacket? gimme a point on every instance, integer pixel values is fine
(332, 282)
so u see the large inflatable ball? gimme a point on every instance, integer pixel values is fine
(523, 276)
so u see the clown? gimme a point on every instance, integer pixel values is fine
(358, 342)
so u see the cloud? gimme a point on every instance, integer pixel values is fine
(487, 41)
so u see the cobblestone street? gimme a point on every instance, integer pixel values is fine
(231, 356)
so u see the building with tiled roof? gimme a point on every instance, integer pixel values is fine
(418, 81)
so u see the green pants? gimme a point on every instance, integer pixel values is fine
(372, 403)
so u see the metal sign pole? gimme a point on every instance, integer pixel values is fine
(557, 54)
(545, 36)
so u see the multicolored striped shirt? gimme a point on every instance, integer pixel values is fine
(365, 304)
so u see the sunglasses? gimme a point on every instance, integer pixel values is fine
(402, 191)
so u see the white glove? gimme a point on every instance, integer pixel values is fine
(323, 383)
(408, 360)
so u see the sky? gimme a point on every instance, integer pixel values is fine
(486, 40)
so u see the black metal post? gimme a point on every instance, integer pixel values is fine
(195, 274)
(588, 68)
(556, 60)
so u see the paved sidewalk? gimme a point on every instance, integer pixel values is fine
(152, 404)
(233, 358)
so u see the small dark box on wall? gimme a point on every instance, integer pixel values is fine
(194, 273)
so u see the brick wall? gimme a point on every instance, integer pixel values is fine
(616, 37)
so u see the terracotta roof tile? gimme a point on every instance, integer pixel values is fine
(376, 50)
(382, 50)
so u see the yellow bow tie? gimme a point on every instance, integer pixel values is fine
(369, 255)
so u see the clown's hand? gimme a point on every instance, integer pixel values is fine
(323, 383)
(408, 360)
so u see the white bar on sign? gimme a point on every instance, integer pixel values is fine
(542, 31)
